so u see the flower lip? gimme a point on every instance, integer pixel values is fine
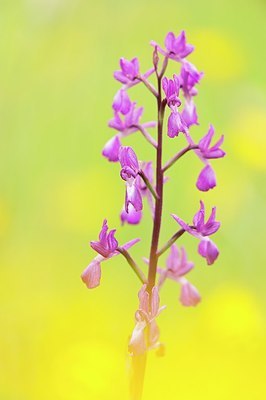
(208, 249)
(91, 276)
(132, 217)
(176, 124)
(111, 149)
(189, 295)
(206, 179)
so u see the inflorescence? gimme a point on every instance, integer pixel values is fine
(143, 180)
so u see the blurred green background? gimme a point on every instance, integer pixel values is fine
(57, 339)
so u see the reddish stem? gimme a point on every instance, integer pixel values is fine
(159, 190)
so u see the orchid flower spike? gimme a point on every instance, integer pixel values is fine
(174, 96)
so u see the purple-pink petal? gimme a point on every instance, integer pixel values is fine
(116, 123)
(133, 196)
(99, 248)
(107, 243)
(155, 301)
(132, 217)
(176, 124)
(91, 276)
(121, 102)
(211, 152)
(208, 250)
(189, 295)
(189, 113)
(182, 223)
(129, 244)
(173, 258)
(169, 41)
(111, 149)
(171, 90)
(119, 76)
(177, 263)
(128, 158)
(206, 179)
(205, 142)
(111, 240)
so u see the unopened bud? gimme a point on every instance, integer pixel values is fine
(155, 58)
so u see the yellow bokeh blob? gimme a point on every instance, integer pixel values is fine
(233, 312)
(219, 55)
(89, 370)
(249, 137)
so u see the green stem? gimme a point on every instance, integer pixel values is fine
(138, 367)
(170, 242)
(147, 136)
(148, 85)
(132, 263)
(149, 185)
(178, 156)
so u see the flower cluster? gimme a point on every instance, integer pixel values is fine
(145, 180)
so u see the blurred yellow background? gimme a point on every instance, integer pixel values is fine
(57, 339)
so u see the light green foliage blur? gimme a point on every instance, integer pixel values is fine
(58, 340)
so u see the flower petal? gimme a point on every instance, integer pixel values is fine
(91, 276)
(189, 295)
(111, 149)
(206, 179)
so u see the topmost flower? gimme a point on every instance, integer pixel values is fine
(129, 70)
(176, 46)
